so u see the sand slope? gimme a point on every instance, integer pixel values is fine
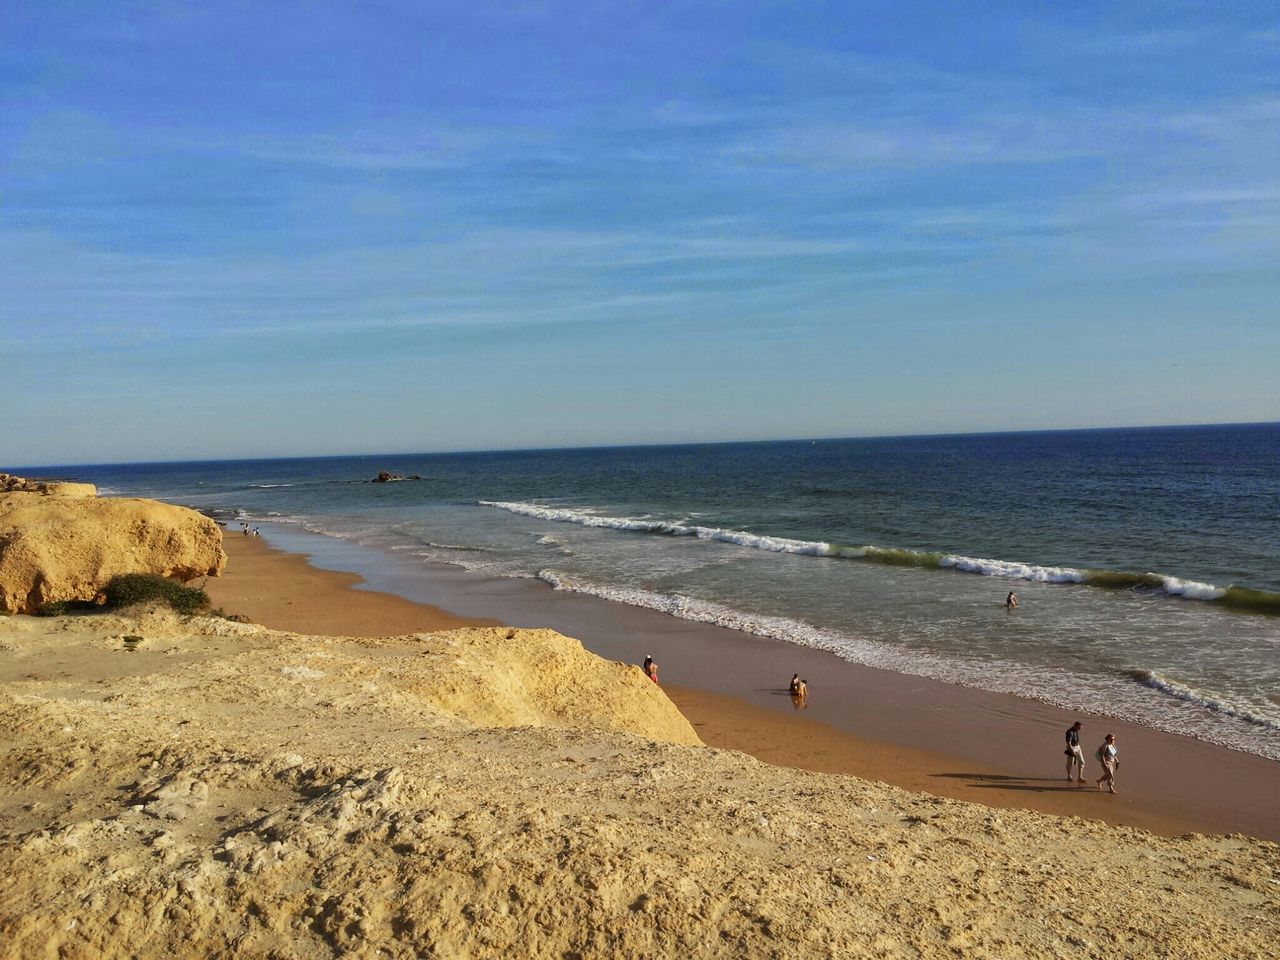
(226, 790)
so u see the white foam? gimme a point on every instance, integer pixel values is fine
(1007, 569)
(1187, 694)
(644, 525)
(848, 646)
(1191, 589)
(1013, 570)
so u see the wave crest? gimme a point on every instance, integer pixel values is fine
(1240, 597)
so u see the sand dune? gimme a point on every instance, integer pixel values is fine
(227, 790)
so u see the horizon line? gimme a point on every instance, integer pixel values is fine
(653, 445)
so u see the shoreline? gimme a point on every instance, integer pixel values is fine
(922, 735)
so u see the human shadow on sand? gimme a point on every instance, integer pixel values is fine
(998, 781)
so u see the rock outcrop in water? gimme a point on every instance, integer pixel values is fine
(58, 541)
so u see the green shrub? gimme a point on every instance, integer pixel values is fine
(62, 608)
(132, 588)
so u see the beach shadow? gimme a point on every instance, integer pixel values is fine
(998, 777)
(996, 781)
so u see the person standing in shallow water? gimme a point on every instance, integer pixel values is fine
(1110, 761)
(799, 692)
(1075, 756)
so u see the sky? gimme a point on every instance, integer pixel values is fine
(245, 229)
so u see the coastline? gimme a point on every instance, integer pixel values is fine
(922, 735)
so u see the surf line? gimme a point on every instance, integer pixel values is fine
(1243, 598)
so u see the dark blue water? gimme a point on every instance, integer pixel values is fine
(1146, 561)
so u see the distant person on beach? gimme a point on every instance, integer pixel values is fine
(1108, 758)
(1011, 601)
(650, 669)
(1075, 756)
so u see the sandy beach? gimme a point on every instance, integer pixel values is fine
(911, 732)
(193, 786)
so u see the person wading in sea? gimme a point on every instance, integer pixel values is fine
(799, 692)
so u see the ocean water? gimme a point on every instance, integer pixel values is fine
(1146, 561)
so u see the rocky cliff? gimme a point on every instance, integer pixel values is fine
(60, 488)
(58, 541)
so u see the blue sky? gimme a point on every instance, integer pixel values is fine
(284, 229)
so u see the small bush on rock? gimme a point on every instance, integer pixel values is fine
(64, 608)
(133, 588)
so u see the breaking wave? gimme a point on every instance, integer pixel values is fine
(777, 628)
(1180, 691)
(1243, 598)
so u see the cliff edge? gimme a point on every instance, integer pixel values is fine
(59, 541)
(220, 790)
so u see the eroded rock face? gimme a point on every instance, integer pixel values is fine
(65, 544)
(11, 484)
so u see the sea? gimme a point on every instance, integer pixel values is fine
(1145, 562)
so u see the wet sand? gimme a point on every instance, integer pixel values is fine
(283, 591)
(912, 732)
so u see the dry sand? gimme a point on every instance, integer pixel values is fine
(285, 592)
(225, 790)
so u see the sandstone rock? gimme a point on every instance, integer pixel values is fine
(57, 545)
(11, 484)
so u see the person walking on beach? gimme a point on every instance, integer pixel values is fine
(1075, 756)
(1110, 761)
(1011, 601)
(650, 669)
